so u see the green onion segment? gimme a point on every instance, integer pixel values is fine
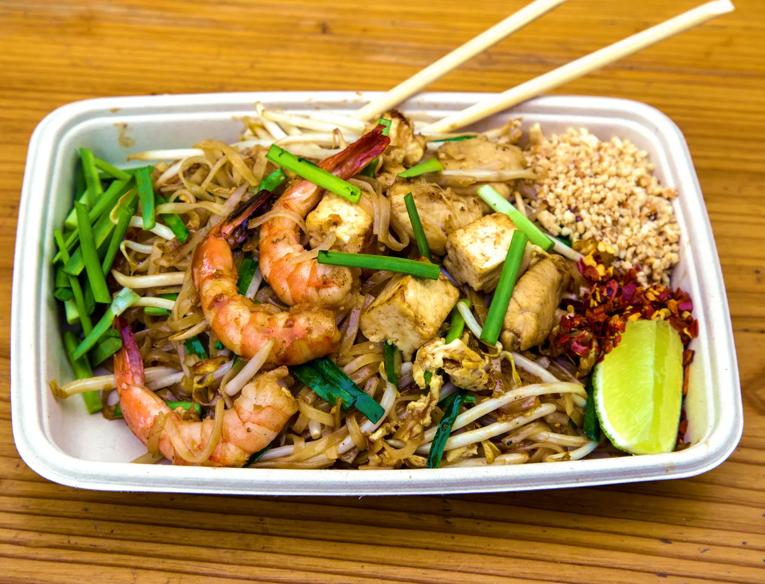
(329, 382)
(313, 173)
(457, 323)
(451, 409)
(430, 165)
(417, 228)
(501, 299)
(392, 360)
(536, 236)
(121, 302)
(146, 196)
(378, 262)
(81, 369)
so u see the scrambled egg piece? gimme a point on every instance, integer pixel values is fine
(466, 368)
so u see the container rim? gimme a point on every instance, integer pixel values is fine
(50, 462)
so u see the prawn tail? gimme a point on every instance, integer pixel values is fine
(128, 362)
(234, 229)
(356, 156)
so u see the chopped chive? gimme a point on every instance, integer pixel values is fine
(63, 294)
(363, 402)
(95, 188)
(195, 347)
(74, 285)
(90, 256)
(308, 375)
(155, 311)
(497, 202)
(146, 196)
(427, 376)
(591, 423)
(501, 299)
(105, 348)
(378, 262)
(456, 138)
(273, 181)
(111, 170)
(79, 177)
(451, 411)
(105, 202)
(385, 122)
(430, 165)
(101, 230)
(71, 313)
(173, 405)
(124, 213)
(219, 346)
(81, 369)
(392, 359)
(174, 222)
(457, 323)
(121, 302)
(71, 219)
(247, 270)
(87, 297)
(313, 173)
(417, 228)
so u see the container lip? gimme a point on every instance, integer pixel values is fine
(47, 460)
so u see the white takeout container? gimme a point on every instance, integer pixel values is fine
(61, 442)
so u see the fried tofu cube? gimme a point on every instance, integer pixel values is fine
(350, 223)
(475, 253)
(409, 311)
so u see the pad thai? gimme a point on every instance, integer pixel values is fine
(327, 293)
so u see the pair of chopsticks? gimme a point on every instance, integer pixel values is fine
(545, 82)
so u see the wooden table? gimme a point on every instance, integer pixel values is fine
(710, 81)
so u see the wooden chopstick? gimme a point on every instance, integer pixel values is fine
(470, 49)
(580, 67)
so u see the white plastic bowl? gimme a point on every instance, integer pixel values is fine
(61, 442)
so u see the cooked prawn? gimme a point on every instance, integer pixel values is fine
(261, 411)
(295, 278)
(300, 334)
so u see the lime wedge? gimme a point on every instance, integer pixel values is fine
(638, 388)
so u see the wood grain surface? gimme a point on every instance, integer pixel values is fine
(710, 81)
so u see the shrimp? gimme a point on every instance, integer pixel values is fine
(261, 411)
(300, 334)
(294, 278)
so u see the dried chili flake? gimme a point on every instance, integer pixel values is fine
(593, 326)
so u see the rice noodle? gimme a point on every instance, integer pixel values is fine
(316, 414)
(276, 214)
(249, 371)
(234, 157)
(180, 208)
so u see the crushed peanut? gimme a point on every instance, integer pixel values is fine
(591, 189)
